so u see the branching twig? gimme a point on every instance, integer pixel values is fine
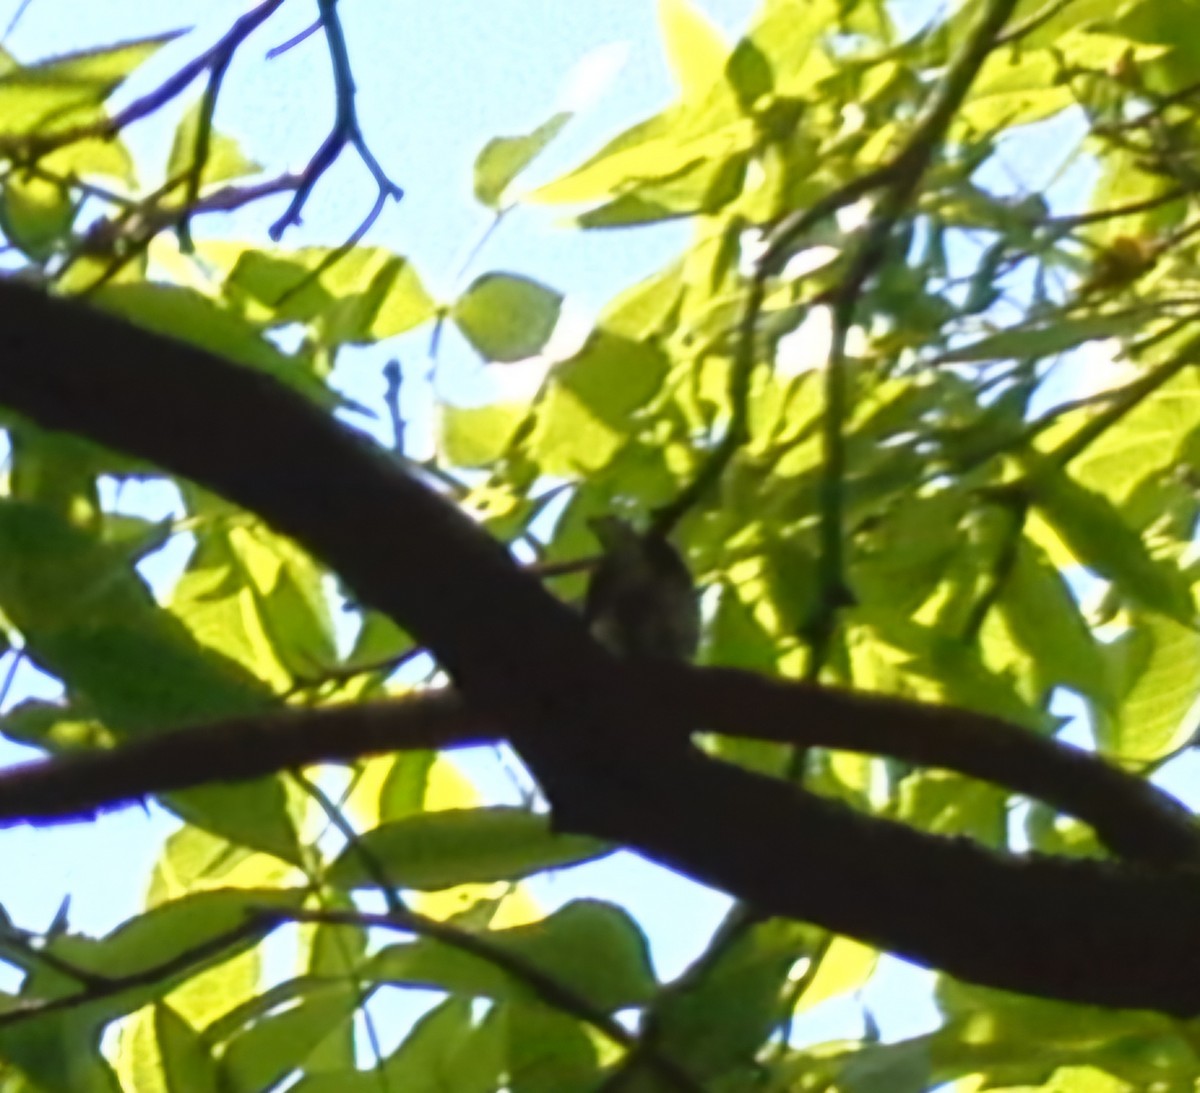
(201, 145)
(294, 40)
(1061, 224)
(372, 866)
(780, 244)
(898, 180)
(140, 221)
(99, 988)
(392, 901)
(345, 131)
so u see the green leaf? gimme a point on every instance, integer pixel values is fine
(67, 91)
(92, 157)
(1092, 529)
(160, 1051)
(1016, 87)
(949, 804)
(224, 159)
(785, 34)
(892, 654)
(253, 814)
(504, 158)
(179, 938)
(36, 215)
(844, 965)
(187, 1061)
(195, 860)
(1035, 342)
(894, 1068)
(443, 1052)
(60, 1051)
(694, 46)
(87, 617)
(722, 1014)
(645, 308)
(364, 296)
(1156, 665)
(661, 148)
(738, 637)
(478, 436)
(185, 315)
(587, 412)
(704, 186)
(1151, 439)
(435, 850)
(1044, 619)
(902, 557)
(58, 471)
(592, 949)
(506, 317)
(280, 1043)
(403, 790)
(256, 598)
(546, 1050)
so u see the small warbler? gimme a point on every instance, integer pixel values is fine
(641, 599)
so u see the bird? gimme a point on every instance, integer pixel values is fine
(641, 599)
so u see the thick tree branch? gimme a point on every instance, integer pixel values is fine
(1131, 816)
(1113, 935)
(80, 785)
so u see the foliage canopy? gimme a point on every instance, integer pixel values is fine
(921, 429)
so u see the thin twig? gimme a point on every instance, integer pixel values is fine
(392, 900)
(253, 928)
(372, 866)
(345, 131)
(294, 40)
(14, 22)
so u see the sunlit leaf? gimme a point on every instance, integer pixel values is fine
(362, 296)
(504, 158)
(506, 317)
(36, 215)
(476, 436)
(223, 158)
(1157, 664)
(694, 47)
(1093, 530)
(67, 91)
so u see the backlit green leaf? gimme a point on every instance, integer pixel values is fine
(461, 846)
(506, 317)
